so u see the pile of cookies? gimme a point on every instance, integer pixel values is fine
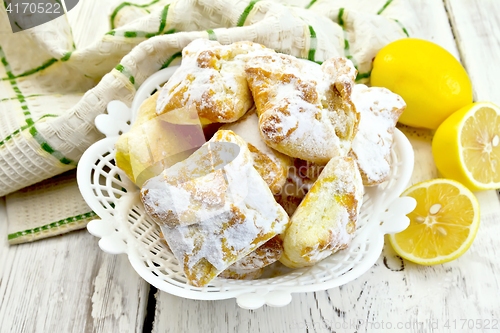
(290, 145)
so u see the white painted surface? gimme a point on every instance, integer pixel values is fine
(66, 284)
(476, 25)
(394, 291)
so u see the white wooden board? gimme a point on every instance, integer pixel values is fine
(66, 284)
(396, 293)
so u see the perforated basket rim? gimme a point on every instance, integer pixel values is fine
(86, 166)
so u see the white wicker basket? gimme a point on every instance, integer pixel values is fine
(124, 226)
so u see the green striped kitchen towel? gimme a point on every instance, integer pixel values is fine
(51, 88)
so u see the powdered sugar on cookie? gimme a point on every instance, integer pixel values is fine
(305, 109)
(212, 78)
(272, 165)
(325, 220)
(379, 109)
(213, 213)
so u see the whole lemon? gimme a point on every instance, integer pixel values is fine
(430, 80)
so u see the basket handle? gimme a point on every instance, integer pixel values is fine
(111, 241)
(394, 219)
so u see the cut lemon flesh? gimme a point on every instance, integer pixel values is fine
(442, 226)
(466, 147)
(480, 149)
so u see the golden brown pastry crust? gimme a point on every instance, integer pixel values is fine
(380, 110)
(305, 110)
(308, 171)
(211, 213)
(272, 165)
(212, 78)
(236, 274)
(263, 256)
(146, 112)
(252, 266)
(325, 220)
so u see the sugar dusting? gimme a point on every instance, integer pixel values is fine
(324, 222)
(211, 77)
(248, 129)
(300, 178)
(272, 165)
(339, 241)
(229, 222)
(265, 255)
(379, 110)
(305, 109)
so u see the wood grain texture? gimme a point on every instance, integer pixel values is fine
(433, 24)
(394, 290)
(476, 25)
(67, 284)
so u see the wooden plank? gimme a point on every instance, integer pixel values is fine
(393, 291)
(476, 25)
(96, 291)
(67, 284)
(433, 25)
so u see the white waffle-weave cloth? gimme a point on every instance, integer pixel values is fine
(51, 91)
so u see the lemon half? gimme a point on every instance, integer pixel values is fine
(466, 147)
(442, 226)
